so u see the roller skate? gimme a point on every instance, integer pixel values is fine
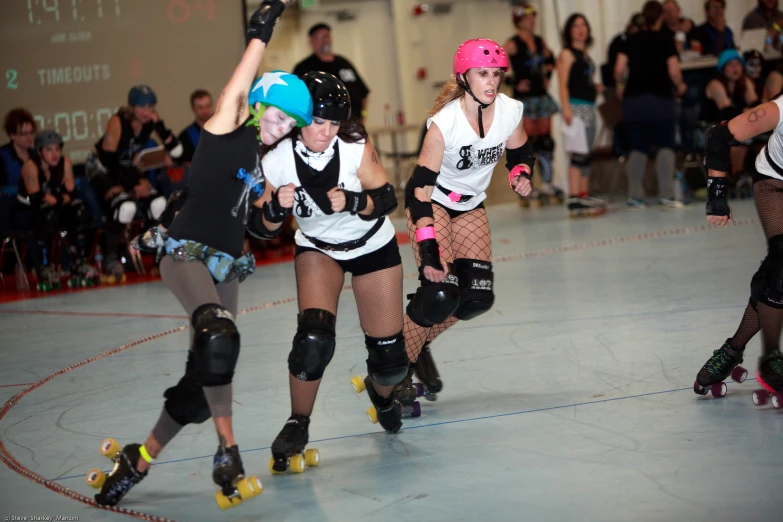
(585, 207)
(405, 393)
(228, 473)
(548, 194)
(724, 362)
(48, 279)
(83, 275)
(288, 449)
(770, 377)
(115, 272)
(429, 384)
(387, 411)
(122, 478)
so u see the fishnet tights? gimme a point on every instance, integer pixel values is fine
(319, 281)
(768, 194)
(465, 237)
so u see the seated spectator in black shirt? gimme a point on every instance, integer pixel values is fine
(202, 106)
(323, 59)
(714, 36)
(20, 127)
(763, 16)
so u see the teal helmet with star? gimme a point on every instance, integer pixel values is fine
(286, 92)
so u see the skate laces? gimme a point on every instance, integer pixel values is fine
(776, 364)
(223, 460)
(718, 362)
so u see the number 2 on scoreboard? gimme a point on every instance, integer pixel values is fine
(11, 75)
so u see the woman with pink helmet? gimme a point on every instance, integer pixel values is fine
(471, 125)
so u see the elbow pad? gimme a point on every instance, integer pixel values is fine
(110, 160)
(384, 202)
(422, 177)
(718, 147)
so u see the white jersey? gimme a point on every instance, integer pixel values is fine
(468, 160)
(774, 146)
(280, 169)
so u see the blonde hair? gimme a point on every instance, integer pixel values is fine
(450, 92)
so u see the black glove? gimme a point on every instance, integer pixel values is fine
(162, 131)
(429, 254)
(273, 211)
(175, 203)
(717, 205)
(355, 202)
(262, 23)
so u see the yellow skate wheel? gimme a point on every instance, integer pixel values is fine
(297, 464)
(358, 384)
(312, 457)
(250, 487)
(272, 467)
(110, 448)
(373, 414)
(95, 478)
(225, 502)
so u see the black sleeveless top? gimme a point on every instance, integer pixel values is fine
(130, 144)
(580, 79)
(54, 184)
(528, 64)
(225, 179)
(710, 112)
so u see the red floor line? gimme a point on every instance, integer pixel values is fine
(91, 314)
(14, 465)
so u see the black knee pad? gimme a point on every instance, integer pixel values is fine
(215, 344)
(313, 344)
(475, 282)
(580, 160)
(185, 402)
(545, 144)
(433, 303)
(772, 294)
(388, 361)
(757, 285)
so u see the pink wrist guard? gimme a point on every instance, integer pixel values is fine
(422, 234)
(519, 170)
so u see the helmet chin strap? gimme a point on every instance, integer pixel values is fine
(465, 85)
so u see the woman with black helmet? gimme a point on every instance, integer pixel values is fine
(329, 175)
(46, 204)
(114, 171)
(204, 262)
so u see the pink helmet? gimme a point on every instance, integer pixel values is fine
(479, 52)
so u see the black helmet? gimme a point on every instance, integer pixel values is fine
(331, 100)
(47, 137)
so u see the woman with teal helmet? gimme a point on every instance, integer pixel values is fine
(202, 261)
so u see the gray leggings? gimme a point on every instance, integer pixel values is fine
(192, 284)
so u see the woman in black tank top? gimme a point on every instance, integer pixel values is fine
(575, 72)
(532, 64)
(203, 261)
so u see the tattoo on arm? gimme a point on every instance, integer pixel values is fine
(756, 115)
(375, 157)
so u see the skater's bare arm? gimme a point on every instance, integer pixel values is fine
(232, 108)
(68, 179)
(763, 118)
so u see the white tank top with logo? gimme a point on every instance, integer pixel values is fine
(280, 169)
(468, 160)
(774, 147)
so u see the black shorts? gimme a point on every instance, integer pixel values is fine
(387, 256)
(457, 213)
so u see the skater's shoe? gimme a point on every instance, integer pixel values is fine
(122, 478)
(229, 474)
(388, 412)
(48, 278)
(427, 373)
(724, 362)
(404, 391)
(581, 207)
(770, 373)
(115, 272)
(288, 449)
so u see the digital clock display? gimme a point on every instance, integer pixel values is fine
(71, 63)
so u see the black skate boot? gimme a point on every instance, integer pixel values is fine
(122, 478)
(725, 361)
(229, 474)
(404, 391)
(427, 373)
(387, 410)
(288, 449)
